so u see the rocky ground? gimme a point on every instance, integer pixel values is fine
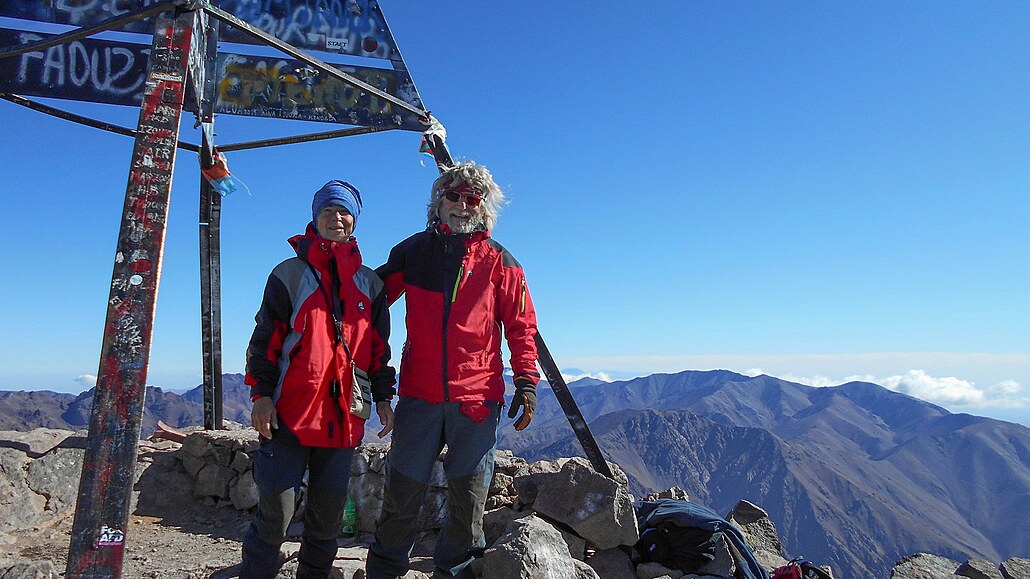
(179, 529)
(171, 533)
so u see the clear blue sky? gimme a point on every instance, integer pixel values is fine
(817, 191)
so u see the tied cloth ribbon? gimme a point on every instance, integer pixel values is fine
(434, 136)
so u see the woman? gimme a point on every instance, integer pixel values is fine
(322, 326)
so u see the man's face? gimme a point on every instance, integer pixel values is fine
(335, 223)
(462, 212)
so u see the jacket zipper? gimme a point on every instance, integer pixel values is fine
(446, 315)
(522, 302)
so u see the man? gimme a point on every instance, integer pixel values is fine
(323, 317)
(461, 289)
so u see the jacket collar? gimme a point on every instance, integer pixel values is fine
(314, 249)
(444, 231)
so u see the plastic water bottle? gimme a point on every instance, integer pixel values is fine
(220, 179)
(229, 184)
(350, 519)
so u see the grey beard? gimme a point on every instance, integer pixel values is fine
(468, 226)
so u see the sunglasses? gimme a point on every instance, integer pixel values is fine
(470, 199)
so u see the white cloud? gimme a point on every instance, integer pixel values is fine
(87, 380)
(602, 376)
(946, 391)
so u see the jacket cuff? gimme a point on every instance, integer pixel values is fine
(258, 390)
(532, 377)
(383, 391)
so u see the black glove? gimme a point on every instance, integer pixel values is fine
(525, 398)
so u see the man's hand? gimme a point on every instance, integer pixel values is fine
(385, 412)
(263, 416)
(525, 399)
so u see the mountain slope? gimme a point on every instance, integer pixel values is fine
(21, 410)
(857, 474)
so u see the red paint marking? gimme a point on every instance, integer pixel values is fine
(141, 265)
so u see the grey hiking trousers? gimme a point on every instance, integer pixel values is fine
(421, 429)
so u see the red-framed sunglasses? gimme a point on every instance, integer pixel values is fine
(470, 199)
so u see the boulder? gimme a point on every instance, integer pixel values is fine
(924, 566)
(495, 522)
(1015, 568)
(55, 475)
(532, 547)
(978, 569)
(759, 533)
(597, 508)
(612, 564)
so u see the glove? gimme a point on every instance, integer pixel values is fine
(525, 399)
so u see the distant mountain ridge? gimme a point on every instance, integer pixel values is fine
(858, 475)
(26, 410)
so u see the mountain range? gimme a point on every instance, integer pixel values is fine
(856, 476)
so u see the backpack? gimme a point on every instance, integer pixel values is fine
(678, 547)
(686, 536)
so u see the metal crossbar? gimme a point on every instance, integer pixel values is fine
(302, 138)
(68, 116)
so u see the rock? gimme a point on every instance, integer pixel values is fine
(35, 570)
(506, 462)
(759, 533)
(495, 523)
(20, 507)
(501, 483)
(530, 548)
(612, 564)
(195, 445)
(369, 457)
(36, 443)
(672, 493)
(241, 462)
(1015, 568)
(583, 571)
(213, 481)
(244, 494)
(192, 464)
(978, 569)
(55, 475)
(599, 509)
(924, 566)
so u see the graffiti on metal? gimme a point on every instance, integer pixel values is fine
(113, 73)
(86, 70)
(97, 546)
(354, 27)
(78, 12)
(285, 88)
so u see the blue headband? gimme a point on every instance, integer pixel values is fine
(336, 193)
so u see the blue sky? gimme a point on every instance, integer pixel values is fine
(817, 191)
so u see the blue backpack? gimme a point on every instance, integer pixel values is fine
(685, 536)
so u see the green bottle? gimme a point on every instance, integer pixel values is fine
(350, 519)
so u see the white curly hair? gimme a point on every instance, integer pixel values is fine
(480, 180)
